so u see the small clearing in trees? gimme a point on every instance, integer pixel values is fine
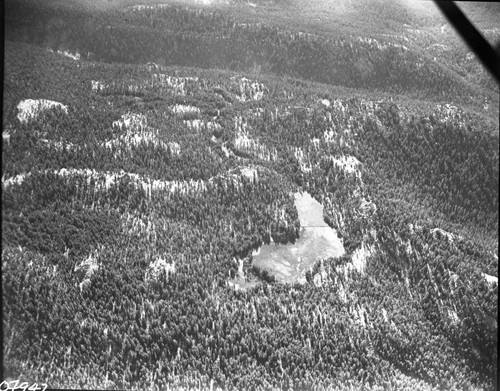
(289, 263)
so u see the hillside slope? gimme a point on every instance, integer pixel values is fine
(401, 60)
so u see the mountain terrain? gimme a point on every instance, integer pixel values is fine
(267, 194)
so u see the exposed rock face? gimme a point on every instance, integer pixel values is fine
(492, 280)
(98, 86)
(131, 122)
(157, 267)
(199, 124)
(438, 232)
(184, 109)
(176, 84)
(347, 163)
(360, 256)
(15, 180)
(85, 270)
(30, 108)
(250, 90)
(243, 142)
(66, 53)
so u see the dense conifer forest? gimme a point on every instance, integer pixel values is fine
(150, 150)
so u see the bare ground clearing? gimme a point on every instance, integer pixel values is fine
(289, 263)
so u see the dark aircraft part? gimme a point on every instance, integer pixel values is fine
(484, 51)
